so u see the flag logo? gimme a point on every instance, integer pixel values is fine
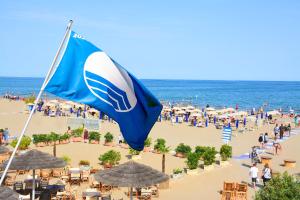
(108, 82)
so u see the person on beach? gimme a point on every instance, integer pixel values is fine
(277, 146)
(276, 130)
(261, 140)
(266, 138)
(120, 139)
(69, 131)
(253, 172)
(281, 131)
(85, 135)
(5, 135)
(289, 129)
(266, 174)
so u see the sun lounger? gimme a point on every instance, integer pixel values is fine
(241, 191)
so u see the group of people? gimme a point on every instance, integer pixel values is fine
(266, 174)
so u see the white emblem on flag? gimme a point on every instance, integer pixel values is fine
(109, 83)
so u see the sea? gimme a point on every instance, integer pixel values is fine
(270, 95)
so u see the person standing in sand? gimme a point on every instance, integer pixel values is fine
(281, 131)
(85, 135)
(253, 172)
(266, 174)
(276, 146)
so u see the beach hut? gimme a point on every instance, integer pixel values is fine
(8, 194)
(131, 174)
(33, 160)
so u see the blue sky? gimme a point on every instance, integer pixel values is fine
(205, 40)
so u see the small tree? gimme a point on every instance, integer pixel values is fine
(94, 136)
(161, 147)
(133, 151)
(108, 137)
(209, 156)
(84, 162)
(77, 132)
(66, 158)
(25, 142)
(192, 161)
(111, 157)
(225, 152)
(282, 187)
(200, 150)
(183, 149)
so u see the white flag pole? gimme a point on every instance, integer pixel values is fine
(37, 99)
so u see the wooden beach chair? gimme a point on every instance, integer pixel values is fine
(241, 191)
(228, 192)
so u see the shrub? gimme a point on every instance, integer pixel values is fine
(53, 137)
(148, 142)
(111, 157)
(133, 151)
(25, 142)
(160, 142)
(192, 160)
(108, 137)
(84, 162)
(1, 130)
(184, 149)
(94, 136)
(177, 171)
(37, 138)
(200, 150)
(209, 156)
(282, 187)
(64, 137)
(66, 158)
(77, 132)
(225, 152)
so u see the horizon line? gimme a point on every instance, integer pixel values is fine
(171, 79)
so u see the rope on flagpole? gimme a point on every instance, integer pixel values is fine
(37, 99)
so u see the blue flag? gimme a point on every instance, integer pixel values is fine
(87, 75)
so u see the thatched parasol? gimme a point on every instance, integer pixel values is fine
(8, 194)
(131, 174)
(3, 150)
(35, 159)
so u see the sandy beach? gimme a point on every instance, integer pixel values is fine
(206, 185)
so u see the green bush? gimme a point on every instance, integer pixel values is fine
(177, 171)
(160, 142)
(225, 152)
(66, 158)
(133, 151)
(25, 142)
(192, 160)
(111, 157)
(77, 132)
(65, 136)
(148, 142)
(37, 138)
(108, 137)
(84, 162)
(184, 149)
(53, 137)
(209, 156)
(282, 187)
(200, 150)
(94, 136)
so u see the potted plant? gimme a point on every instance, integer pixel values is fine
(159, 143)
(54, 138)
(94, 137)
(209, 158)
(25, 142)
(177, 173)
(108, 139)
(225, 153)
(64, 139)
(182, 150)
(192, 163)
(200, 150)
(147, 144)
(110, 158)
(77, 135)
(135, 155)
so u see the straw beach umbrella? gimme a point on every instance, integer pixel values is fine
(131, 174)
(35, 159)
(8, 194)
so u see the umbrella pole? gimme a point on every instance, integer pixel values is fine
(131, 193)
(33, 184)
(37, 99)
